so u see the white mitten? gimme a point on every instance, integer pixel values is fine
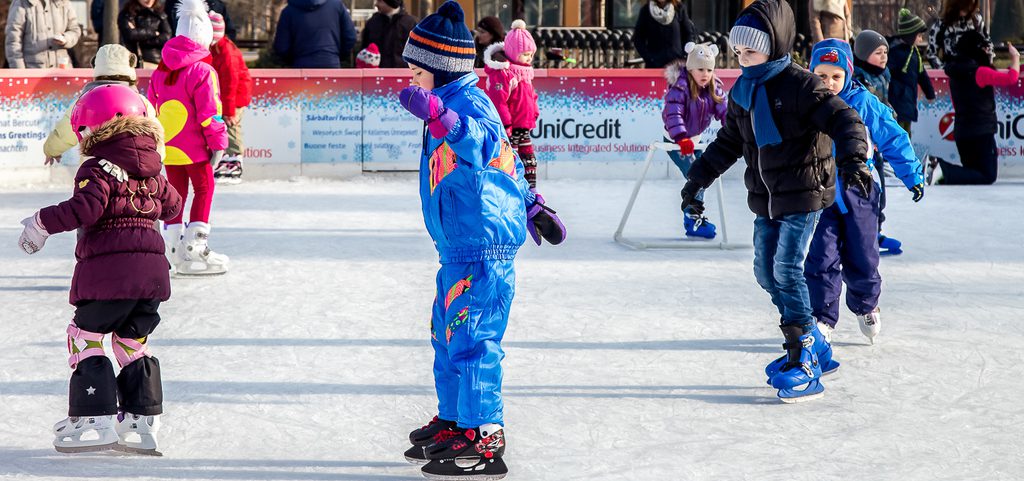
(34, 235)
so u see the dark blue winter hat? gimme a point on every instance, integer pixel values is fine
(750, 31)
(833, 51)
(442, 45)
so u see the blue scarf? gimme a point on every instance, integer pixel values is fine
(749, 88)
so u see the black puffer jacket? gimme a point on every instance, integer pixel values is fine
(144, 31)
(799, 174)
(390, 35)
(975, 106)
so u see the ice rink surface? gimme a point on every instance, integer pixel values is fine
(310, 360)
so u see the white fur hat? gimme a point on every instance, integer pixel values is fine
(700, 56)
(194, 22)
(114, 60)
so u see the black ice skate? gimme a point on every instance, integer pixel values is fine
(474, 454)
(437, 430)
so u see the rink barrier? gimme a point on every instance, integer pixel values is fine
(595, 123)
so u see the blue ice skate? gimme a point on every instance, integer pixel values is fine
(888, 246)
(698, 226)
(802, 369)
(822, 349)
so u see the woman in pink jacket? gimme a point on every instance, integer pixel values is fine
(184, 90)
(509, 68)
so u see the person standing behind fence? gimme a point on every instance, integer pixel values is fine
(694, 98)
(958, 17)
(40, 35)
(662, 28)
(829, 19)
(389, 28)
(214, 5)
(314, 34)
(144, 29)
(488, 31)
(907, 69)
(509, 68)
(235, 95)
(971, 84)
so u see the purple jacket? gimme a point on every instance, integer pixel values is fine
(119, 195)
(685, 117)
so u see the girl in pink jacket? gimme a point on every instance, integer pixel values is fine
(509, 68)
(184, 90)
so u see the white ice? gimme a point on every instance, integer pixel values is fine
(310, 359)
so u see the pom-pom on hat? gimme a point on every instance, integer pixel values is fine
(194, 22)
(909, 24)
(749, 31)
(217, 22)
(368, 57)
(442, 45)
(518, 40)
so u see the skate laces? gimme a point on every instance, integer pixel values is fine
(445, 434)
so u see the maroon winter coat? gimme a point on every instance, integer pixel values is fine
(119, 195)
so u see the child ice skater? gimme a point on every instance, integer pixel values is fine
(509, 68)
(694, 98)
(478, 208)
(780, 119)
(113, 64)
(972, 82)
(121, 274)
(907, 70)
(844, 249)
(185, 91)
(235, 94)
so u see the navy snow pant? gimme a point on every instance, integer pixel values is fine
(468, 322)
(844, 249)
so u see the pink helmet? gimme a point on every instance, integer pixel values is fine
(104, 103)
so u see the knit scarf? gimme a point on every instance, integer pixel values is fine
(749, 92)
(665, 15)
(523, 72)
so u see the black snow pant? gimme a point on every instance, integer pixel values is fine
(94, 391)
(980, 159)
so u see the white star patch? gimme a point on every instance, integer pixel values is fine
(91, 390)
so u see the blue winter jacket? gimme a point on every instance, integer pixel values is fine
(472, 188)
(314, 34)
(885, 134)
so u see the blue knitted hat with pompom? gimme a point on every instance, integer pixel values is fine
(442, 45)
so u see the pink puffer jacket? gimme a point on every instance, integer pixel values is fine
(510, 87)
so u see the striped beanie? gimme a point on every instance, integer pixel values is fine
(442, 45)
(909, 24)
(217, 21)
(750, 31)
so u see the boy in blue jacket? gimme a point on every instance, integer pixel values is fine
(477, 207)
(844, 248)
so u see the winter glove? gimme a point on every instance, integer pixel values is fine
(856, 174)
(34, 235)
(689, 195)
(918, 191)
(428, 107)
(543, 222)
(685, 146)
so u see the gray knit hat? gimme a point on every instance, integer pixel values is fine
(700, 55)
(866, 43)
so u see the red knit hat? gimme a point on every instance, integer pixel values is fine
(369, 57)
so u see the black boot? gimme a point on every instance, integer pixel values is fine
(470, 455)
(434, 431)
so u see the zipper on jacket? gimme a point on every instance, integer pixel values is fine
(760, 169)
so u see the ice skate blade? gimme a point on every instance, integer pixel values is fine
(228, 181)
(796, 400)
(419, 461)
(196, 275)
(85, 449)
(131, 450)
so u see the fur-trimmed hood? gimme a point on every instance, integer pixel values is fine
(494, 57)
(674, 70)
(129, 142)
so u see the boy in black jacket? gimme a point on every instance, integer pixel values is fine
(780, 119)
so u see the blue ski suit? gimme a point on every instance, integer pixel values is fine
(474, 199)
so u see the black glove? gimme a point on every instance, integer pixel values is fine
(856, 174)
(918, 191)
(689, 195)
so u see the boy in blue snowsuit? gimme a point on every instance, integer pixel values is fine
(844, 248)
(477, 207)
(780, 119)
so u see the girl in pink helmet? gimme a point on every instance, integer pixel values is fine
(121, 276)
(184, 89)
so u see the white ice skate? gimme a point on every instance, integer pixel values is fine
(229, 170)
(137, 434)
(197, 258)
(173, 244)
(870, 324)
(85, 434)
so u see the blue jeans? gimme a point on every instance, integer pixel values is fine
(780, 248)
(683, 162)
